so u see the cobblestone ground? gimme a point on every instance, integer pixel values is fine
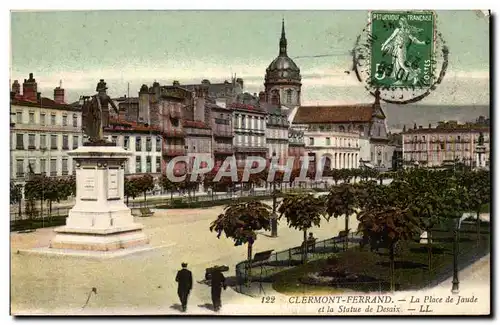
(141, 283)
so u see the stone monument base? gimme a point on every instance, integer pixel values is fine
(100, 221)
(99, 239)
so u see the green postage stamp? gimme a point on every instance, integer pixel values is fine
(402, 48)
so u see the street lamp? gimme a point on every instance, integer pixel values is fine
(274, 216)
(455, 282)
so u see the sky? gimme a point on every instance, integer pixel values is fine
(136, 47)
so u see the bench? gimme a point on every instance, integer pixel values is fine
(311, 245)
(145, 212)
(344, 233)
(208, 271)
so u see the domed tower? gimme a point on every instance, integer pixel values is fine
(283, 81)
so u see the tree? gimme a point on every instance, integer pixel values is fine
(302, 211)
(167, 185)
(130, 189)
(16, 196)
(478, 185)
(385, 227)
(240, 221)
(144, 184)
(336, 175)
(343, 201)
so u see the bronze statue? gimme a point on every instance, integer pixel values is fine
(95, 113)
(481, 139)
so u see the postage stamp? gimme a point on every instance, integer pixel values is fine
(402, 49)
(400, 55)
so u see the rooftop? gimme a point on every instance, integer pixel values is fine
(43, 102)
(334, 114)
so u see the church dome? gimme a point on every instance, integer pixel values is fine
(283, 66)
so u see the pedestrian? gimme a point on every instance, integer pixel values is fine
(218, 282)
(185, 280)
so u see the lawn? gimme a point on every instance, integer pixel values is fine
(373, 269)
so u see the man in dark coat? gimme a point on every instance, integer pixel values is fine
(185, 280)
(218, 282)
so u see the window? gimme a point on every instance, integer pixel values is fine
(52, 119)
(65, 120)
(42, 118)
(138, 144)
(311, 141)
(158, 144)
(327, 141)
(125, 141)
(341, 128)
(32, 117)
(53, 167)
(65, 166)
(75, 141)
(19, 117)
(114, 139)
(148, 164)
(289, 96)
(20, 168)
(43, 166)
(20, 141)
(158, 164)
(43, 141)
(148, 144)
(31, 141)
(65, 144)
(75, 120)
(138, 164)
(53, 141)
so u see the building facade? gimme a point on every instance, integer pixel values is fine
(276, 133)
(222, 132)
(367, 120)
(331, 149)
(42, 132)
(296, 145)
(249, 125)
(145, 142)
(448, 142)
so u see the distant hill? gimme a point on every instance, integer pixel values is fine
(399, 115)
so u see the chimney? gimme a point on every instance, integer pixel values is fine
(16, 87)
(38, 96)
(239, 81)
(59, 94)
(30, 88)
(420, 127)
(430, 126)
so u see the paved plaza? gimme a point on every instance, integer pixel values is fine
(145, 281)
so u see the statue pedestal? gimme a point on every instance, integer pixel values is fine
(480, 156)
(100, 220)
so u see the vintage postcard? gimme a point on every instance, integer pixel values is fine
(319, 163)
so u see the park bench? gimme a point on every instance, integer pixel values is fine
(208, 271)
(146, 212)
(311, 245)
(343, 233)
